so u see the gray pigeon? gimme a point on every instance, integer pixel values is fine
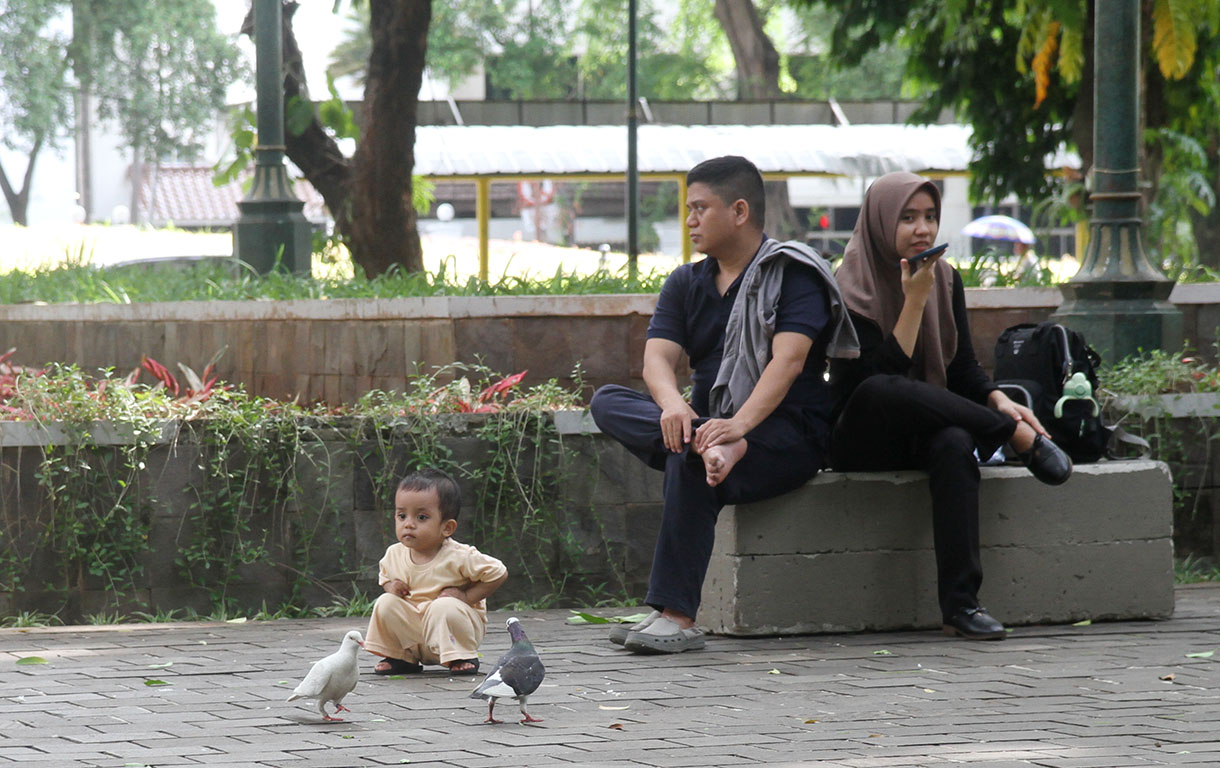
(516, 675)
(332, 678)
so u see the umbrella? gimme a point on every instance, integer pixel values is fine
(999, 228)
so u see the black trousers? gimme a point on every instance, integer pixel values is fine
(892, 422)
(780, 457)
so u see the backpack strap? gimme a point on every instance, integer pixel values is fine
(1066, 369)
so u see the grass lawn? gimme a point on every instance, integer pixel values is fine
(28, 248)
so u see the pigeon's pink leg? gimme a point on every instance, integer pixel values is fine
(330, 719)
(341, 708)
(528, 719)
(491, 705)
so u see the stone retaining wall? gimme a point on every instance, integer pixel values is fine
(335, 526)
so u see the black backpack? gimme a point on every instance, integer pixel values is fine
(1052, 370)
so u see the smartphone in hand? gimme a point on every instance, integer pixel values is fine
(914, 261)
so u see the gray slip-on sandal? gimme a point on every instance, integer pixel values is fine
(664, 636)
(619, 632)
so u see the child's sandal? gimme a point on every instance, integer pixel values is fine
(472, 664)
(397, 667)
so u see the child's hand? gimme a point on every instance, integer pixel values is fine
(460, 594)
(397, 587)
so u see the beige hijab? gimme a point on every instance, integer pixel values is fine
(870, 276)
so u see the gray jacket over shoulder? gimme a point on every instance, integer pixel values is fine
(747, 336)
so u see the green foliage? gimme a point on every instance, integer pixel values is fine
(159, 69)
(1017, 71)
(1193, 570)
(1186, 443)
(1184, 189)
(690, 59)
(225, 280)
(34, 96)
(991, 268)
(810, 70)
(1159, 372)
(23, 619)
(36, 99)
(965, 59)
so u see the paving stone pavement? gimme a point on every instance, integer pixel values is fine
(1108, 695)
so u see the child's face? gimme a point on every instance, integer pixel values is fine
(417, 520)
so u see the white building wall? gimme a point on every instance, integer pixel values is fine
(52, 188)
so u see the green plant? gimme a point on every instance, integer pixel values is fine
(159, 616)
(991, 268)
(1192, 570)
(1158, 372)
(358, 604)
(30, 619)
(1130, 390)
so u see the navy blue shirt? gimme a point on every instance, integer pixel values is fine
(691, 313)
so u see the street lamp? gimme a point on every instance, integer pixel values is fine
(271, 230)
(633, 171)
(1119, 300)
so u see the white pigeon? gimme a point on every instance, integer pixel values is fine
(332, 678)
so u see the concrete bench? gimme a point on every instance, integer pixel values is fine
(853, 551)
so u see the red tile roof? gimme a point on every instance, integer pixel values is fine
(184, 195)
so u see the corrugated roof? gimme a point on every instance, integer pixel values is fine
(852, 150)
(186, 196)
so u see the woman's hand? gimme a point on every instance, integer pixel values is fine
(918, 284)
(1017, 412)
(916, 288)
(460, 594)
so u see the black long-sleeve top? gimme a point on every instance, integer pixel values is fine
(880, 353)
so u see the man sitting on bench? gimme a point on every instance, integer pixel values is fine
(756, 319)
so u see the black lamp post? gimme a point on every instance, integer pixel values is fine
(1118, 299)
(271, 230)
(633, 171)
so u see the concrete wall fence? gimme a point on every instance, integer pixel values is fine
(327, 525)
(335, 350)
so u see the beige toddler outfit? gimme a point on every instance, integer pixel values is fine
(424, 627)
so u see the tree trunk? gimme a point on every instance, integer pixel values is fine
(137, 181)
(756, 58)
(369, 195)
(82, 52)
(383, 225)
(19, 200)
(758, 78)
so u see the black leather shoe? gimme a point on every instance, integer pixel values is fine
(1047, 461)
(974, 624)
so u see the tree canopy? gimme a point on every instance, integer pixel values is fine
(1020, 72)
(35, 106)
(546, 49)
(158, 68)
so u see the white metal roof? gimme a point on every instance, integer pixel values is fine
(854, 150)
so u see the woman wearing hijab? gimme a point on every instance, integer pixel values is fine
(916, 398)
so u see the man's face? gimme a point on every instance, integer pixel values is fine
(712, 221)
